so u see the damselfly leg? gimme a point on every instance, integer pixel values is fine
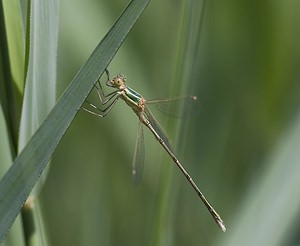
(108, 100)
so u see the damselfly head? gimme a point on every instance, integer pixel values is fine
(118, 81)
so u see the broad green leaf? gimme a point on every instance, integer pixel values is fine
(39, 98)
(40, 87)
(29, 165)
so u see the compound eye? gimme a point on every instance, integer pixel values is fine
(116, 82)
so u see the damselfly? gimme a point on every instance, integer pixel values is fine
(139, 105)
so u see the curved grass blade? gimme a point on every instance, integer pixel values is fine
(29, 165)
(40, 87)
(139, 156)
(39, 98)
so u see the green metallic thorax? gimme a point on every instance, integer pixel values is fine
(132, 98)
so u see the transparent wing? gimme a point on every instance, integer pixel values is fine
(139, 156)
(157, 127)
(180, 107)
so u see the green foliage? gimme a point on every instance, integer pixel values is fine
(241, 149)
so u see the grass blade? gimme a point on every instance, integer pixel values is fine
(11, 67)
(39, 99)
(15, 237)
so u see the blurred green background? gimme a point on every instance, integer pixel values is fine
(241, 148)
